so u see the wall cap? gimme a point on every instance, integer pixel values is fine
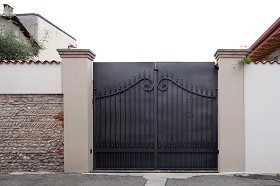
(76, 53)
(231, 53)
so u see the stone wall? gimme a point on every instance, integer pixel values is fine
(31, 133)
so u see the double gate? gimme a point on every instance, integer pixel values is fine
(155, 120)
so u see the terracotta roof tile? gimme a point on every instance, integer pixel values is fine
(265, 62)
(29, 61)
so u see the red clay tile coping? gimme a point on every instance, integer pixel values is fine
(265, 62)
(29, 61)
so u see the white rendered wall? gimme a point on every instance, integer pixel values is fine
(30, 78)
(56, 39)
(262, 118)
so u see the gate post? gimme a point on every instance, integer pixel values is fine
(231, 132)
(78, 113)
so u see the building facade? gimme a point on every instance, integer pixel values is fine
(45, 31)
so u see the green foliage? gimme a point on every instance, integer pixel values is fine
(244, 60)
(14, 45)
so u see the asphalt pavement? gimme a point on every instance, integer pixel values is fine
(138, 179)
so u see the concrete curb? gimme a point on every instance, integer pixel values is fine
(265, 176)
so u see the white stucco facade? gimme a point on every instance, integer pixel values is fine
(262, 117)
(30, 78)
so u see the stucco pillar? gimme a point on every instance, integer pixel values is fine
(77, 93)
(231, 133)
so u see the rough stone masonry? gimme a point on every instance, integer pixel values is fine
(31, 133)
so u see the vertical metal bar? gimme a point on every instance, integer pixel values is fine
(172, 97)
(186, 137)
(197, 119)
(216, 129)
(162, 132)
(177, 116)
(115, 123)
(110, 122)
(206, 118)
(155, 116)
(125, 132)
(135, 118)
(105, 121)
(201, 125)
(182, 117)
(212, 124)
(166, 124)
(100, 123)
(161, 127)
(150, 127)
(130, 126)
(145, 121)
(140, 124)
(150, 120)
(191, 120)
(144, 125)
(120, 134)
(177, 124)
(94, 129)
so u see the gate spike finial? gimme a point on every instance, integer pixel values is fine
(139, 75)
(211, 92)
(115, 89)
(134, 79)
(144, 74)
(177, 79)
(124, 85)
(100, 92)
(120, 87)
(161, 75)
(129, 82)
(149, 75)
(201, 90)
(110, 91)
(182, 83)
(206, 91)
(186, 84)
(196, 89)
(166, 74)
(191, 87)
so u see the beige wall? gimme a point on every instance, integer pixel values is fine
(78, 113)
(231, 137)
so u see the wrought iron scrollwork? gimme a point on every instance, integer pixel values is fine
(148, 85)
(162, 85)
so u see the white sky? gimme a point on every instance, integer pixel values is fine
(156, 30)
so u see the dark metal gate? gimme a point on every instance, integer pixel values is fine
(155, 121)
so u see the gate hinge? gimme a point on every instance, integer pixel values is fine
(218, 151)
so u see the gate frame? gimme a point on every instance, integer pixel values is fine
(155, 84)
